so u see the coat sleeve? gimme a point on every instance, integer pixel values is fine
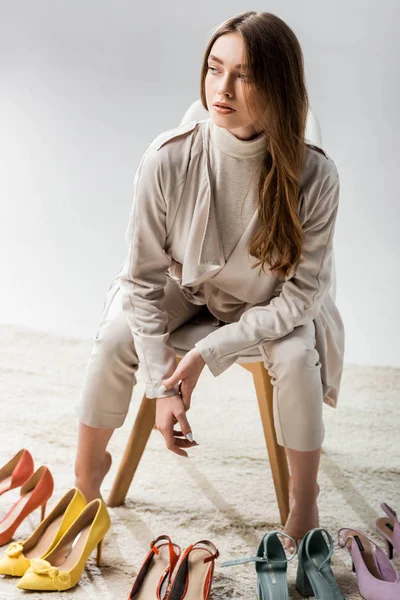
(302, 293)
(143, 277)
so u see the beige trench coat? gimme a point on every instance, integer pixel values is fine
(173, 233)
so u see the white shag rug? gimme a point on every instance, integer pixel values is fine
(224, 492)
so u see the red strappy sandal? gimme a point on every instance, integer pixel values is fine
(155, 573)
(193, 573)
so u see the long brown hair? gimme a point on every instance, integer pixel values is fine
(277, 99)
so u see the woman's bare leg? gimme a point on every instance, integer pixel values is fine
(303, 490)
(92, 461)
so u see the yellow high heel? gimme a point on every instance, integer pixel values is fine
(17, 557)
(62, 567)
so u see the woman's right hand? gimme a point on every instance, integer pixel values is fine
(169, 411)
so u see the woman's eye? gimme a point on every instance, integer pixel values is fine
(241, 75)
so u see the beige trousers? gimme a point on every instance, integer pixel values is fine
(292, 363)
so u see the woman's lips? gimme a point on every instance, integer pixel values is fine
(223, 111)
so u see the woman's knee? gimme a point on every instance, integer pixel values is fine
(293, 353)
(114, 340)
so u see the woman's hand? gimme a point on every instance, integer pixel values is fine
(188, 371)
(173, 408)
(169, 411)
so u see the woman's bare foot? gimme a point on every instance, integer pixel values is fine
(90, 488)
(300, 520)
(303, 516)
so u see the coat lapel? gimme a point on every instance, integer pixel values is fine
(204, 256)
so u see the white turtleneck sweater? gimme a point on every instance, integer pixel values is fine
(235, 165)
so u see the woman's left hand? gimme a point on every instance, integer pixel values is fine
(188, 371)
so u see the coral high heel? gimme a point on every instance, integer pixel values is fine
(16, 471)
(155, 573)
(34, 494)
(377, 579)
(193, 573)
(18, 555)
(389, 528)
(62, 567)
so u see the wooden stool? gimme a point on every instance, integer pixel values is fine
(145, 420)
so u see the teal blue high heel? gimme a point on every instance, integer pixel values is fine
(271, 566)
(314, 573)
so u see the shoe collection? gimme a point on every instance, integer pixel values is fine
(54, 556)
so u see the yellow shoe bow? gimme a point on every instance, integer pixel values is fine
(14, 550)
(43, 567)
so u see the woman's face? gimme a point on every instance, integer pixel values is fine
(225, 81)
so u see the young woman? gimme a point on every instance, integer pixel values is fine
(234, 215)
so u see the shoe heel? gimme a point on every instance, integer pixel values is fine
(99, 552)
(43, 511)
(303, 584)
(353, 567)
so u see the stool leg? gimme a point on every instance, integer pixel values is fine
(140, 433)
(276, 453)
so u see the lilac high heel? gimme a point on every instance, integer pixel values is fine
(377, 579)
(389, 528)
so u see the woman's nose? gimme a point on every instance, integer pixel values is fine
(225, 86)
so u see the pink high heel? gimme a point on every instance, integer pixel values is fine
(389, 528)
(377, 579)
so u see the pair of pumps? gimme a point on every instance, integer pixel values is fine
(54, 556)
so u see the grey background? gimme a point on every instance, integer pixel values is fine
(85, 86)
